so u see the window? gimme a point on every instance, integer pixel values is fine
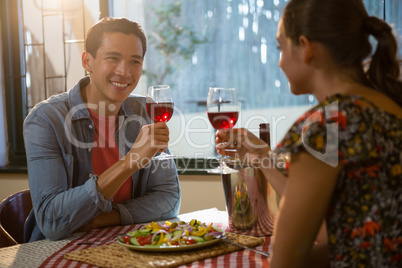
(228, 43)
(234, 45)
(42, 42)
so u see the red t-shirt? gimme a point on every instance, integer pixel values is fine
(106, 153)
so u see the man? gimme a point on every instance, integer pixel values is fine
(89, 150)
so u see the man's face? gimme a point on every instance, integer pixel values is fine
(116, 70)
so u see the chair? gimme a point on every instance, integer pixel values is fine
(13, 212)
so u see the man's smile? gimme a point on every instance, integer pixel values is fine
(117, 84)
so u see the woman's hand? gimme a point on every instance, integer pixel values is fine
(152, 138)
(248, 147)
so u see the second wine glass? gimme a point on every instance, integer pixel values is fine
(223, 112)
(160, 107)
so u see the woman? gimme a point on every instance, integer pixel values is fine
(345, 153)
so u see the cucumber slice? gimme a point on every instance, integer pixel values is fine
(145, 231)
(136, 233)
(167, 236)
(177, 234)
(217, 229)
(197, 238)
(134, 241)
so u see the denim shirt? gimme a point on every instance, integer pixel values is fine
(59, 137)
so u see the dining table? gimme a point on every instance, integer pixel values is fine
(46, 253)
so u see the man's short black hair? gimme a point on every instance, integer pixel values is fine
(94, 36)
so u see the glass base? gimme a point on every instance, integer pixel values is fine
(228, 165)
(164, 156)
(222, 171)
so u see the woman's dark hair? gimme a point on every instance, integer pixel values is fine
(344, 26)
(94, 36)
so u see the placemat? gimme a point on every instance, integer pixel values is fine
(115, 255)
(104, 235)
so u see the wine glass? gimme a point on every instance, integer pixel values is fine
(223, 112)
(159, 104)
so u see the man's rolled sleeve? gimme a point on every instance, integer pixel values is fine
(125, 216)
(96, 196)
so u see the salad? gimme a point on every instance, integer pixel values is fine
(171, 234)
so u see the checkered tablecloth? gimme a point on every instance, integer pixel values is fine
(46, 253)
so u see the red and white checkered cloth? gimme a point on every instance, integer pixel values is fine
(243, 258)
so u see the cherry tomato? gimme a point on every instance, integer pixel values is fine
(126, 239)
(190, 241)
(145, 240)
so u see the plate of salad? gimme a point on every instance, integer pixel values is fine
(171, 236)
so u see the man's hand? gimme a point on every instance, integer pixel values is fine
(105, 219)
(152, 138)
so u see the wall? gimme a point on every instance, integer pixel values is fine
(198, 192)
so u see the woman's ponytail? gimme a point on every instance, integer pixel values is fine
(384, 70)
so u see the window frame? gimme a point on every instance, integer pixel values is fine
(14, 81)
(11, 21)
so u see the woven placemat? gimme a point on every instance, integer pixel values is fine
(115, 255)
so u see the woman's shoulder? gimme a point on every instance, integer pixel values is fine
(341, 118)
(334, 109)
(371, 100)
(353, 107)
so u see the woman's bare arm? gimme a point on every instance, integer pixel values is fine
(302, 210)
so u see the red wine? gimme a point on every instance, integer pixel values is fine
(160, 112)
(223, 120)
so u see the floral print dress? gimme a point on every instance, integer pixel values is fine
(364, 219)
